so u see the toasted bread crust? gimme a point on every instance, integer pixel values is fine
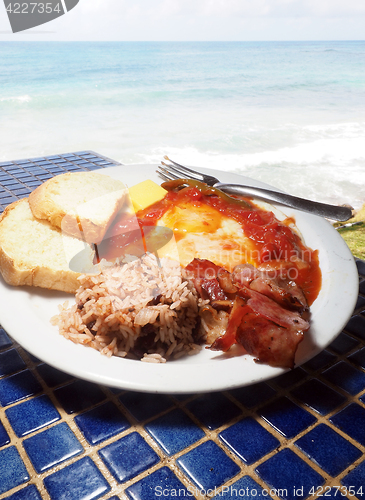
(82, 204)
(32, 252)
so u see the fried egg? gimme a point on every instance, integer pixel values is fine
(201, 231)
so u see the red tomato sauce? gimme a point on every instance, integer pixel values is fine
(276, 244)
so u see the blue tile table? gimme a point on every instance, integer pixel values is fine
(301, 435)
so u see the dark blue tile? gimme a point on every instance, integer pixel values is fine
(289, 475)
(4, 437)
(83, 479)
(346, 377)
(245, 488)
(208, 466)
(32, 415)
(358, 358)
(213, 410)
(17, 387)
(362, 287)
(249, 440)
(128, 457)
(320, 361)
(356, 326)
(161, 483)
(145, 406)
(5, 340)
(174, 431)
(286, 417)
(318, 396)
(360, 303)
(319, 444)
(79, 395)
(52, 446)
(12, 469)
(290, 378)
(114, 497)
(28, 493)
(360, 264)
(355, 481)
(351, 420)
(101, 423)
(253, 395)
(343, 344)
(52, 376)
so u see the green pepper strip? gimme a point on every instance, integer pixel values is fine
(206, 190)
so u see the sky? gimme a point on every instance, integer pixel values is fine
(199, 20)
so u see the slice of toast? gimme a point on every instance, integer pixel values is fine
(33, 252)
(82, 204)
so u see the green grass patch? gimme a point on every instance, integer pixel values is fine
(355, 235)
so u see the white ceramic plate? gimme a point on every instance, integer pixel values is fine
(25, 313)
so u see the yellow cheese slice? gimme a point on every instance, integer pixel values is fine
(145, 194)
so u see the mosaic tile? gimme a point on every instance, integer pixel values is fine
(351, 420)
(52, 376)
(286, 417)
(355, 481)
(28, 493)
(248, 440)
(253, 395)
(4, 437)
(163, 430)
(79, 395)
(356, 326)
(128, 457)
(12, 469)
(145, 406)
(343, 344)
(318, 396)
(32, 415)
(360, 303)
(360, 264)
(245, 488)
(358, 358)
(84, 481)
(322, 360)
(362, 287)
(101, 423)
(208, 466)
(52, 446)
(5, 340)
(289, 475)
(161, 483)
(319, 445)
(346, 377)
(290, 378)
(17, 387)
(213, 410)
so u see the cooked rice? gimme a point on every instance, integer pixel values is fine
(146, 309)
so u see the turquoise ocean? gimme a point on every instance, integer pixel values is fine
(291, 114)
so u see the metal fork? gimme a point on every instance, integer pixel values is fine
(334, 212)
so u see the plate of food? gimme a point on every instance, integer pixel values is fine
(116, 280)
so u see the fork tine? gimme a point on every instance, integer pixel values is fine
(165, 174)
(183, 170)
(181, 173)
